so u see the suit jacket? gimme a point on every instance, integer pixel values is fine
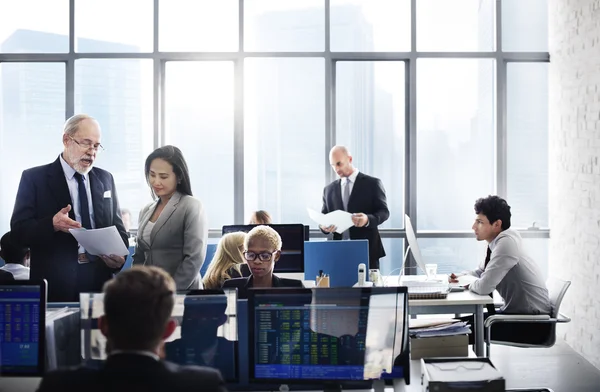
(177, 241)
(43, 191)
(6, 276)
(245, 284)
(134, 372)
(368, 197)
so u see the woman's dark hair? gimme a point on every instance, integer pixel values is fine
(174, 156)
(494, 208)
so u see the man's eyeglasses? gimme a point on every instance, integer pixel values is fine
(263, 256)
(86, 144)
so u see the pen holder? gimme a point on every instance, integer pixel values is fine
(322, 281)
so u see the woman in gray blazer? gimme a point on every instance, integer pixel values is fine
(173, 229)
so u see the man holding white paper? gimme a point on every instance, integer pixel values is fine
(69, 193)
(361, 195)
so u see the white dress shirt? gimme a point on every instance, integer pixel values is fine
(352, 178)
(74, 192)
(19, 272)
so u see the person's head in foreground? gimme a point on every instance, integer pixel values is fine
(138, 304)
(493, 217)
(262, 250)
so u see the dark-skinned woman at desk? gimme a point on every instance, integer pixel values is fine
(228, 261)
(262, 249)
(173, 230)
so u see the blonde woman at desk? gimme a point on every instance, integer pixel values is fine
(228, 261)
(173, 229)
(262, 250)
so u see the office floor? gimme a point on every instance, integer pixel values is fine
(559, 368)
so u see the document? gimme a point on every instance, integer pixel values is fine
(104, 241)
(342, 220)
(464, 280)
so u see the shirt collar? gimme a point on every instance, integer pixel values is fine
(69, 171)
(494, 242)
(352, 177)
(136, 352)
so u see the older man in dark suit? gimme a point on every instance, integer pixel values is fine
(68, 193)
(360, 194)
(138, 305)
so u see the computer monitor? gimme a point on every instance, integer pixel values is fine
(206, 334)
(292, 250)
(22, 328)
(413, 245)
(328, 336)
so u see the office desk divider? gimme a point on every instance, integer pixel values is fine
(338, 259)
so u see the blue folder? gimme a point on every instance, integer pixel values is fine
(339, 259)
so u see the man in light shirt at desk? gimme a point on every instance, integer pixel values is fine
(15, 256)
(508, 269)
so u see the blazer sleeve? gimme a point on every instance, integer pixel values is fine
(325, 208)
(195, 236)
(139, 257)
(381, 213)
(26, 226)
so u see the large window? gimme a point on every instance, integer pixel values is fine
(284, 137)
(445, 102)
(199, 120)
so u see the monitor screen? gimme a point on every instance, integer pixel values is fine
(292, 249)
(22, 328)
(206, 333)
(328, 335)
(414, 245)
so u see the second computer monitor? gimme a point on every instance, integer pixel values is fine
(330, 336)
(292, 250)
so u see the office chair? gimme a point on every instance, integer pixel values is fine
(557, 289)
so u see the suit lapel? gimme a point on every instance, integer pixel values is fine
(59, 188)
(165, 215)
(97, 189)
(144, 221)
(337, 194)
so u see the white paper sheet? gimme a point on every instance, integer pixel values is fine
(104, 241)
(464, 280)
(342, 220)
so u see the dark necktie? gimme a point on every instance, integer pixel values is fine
(488, 256)
(84, 207)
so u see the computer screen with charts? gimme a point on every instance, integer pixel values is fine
(22, 331)
(292, 250)
(206, 333)
(328, 335)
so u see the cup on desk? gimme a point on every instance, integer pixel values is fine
(322, 281)
(431, 270)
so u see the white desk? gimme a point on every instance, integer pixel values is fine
(461, 302)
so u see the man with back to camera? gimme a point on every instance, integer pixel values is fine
(508, 269)
(360, 194)
(138, 304)
(15, 256)
(69, 193)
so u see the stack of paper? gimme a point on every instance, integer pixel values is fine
(439, 327)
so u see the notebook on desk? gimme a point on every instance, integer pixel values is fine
(417, 292)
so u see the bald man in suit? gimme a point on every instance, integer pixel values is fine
(360, 194)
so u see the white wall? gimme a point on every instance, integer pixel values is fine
(574, 167)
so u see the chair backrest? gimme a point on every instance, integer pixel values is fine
(557, 289)
(211, 249)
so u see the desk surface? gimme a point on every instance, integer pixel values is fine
(459, 298)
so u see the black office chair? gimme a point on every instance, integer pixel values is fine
(557, 289)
